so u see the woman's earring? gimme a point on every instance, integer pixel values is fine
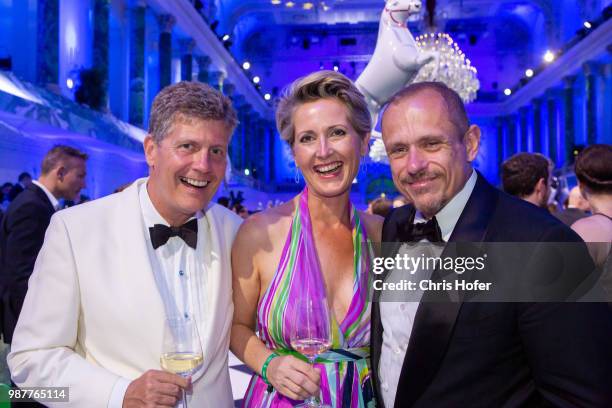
(297, 175)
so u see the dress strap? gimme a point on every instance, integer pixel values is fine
(608, 217)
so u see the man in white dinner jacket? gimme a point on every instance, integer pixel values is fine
(111, 271)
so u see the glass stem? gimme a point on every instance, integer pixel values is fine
(184, 399)
(312, 400)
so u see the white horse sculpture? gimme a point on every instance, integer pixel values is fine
(396, 59)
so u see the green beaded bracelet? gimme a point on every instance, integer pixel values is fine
(264, 368)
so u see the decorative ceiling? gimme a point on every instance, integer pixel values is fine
(286, 39)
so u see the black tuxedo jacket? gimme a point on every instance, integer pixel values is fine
(468, 354)
(22, 232)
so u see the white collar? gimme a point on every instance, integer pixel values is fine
(448, 216)
(50, 196)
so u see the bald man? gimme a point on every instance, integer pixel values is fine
(444, 352)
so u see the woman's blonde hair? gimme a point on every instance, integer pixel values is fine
(322, 85)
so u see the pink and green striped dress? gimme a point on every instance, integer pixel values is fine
(345, 372)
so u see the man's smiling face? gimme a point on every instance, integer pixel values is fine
(430, 157)
(186, 167)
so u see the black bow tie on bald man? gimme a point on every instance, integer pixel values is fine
(429, 230)
(188, 232)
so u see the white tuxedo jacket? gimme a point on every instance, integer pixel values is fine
(93, 312)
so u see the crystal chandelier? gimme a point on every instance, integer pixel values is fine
(450, 65)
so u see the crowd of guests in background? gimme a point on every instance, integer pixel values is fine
(237, 205)
(586, 208)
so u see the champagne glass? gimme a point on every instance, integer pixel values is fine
(310, 334)
(181, 349)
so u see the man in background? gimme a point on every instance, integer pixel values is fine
(528, 176)
(23, 226)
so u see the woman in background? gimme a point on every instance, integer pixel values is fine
(594, 172)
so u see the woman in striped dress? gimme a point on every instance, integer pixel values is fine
(316, 240)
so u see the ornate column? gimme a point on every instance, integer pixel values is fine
(270, 129)
(551, 120)
(524, 131)
(259, 150)
(254, 139)
(101, 41)
(137, 65)
(100, 37)
(537, 124)
(47, 43)
(511, 135)
(187, 47)
(236, 145)
(244, 113)
(569, 134)
(590, 70)
(607, 104)
(499, 135)
(166, 23)
(203, 64)
(229, 92)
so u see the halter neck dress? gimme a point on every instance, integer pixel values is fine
(345, 373)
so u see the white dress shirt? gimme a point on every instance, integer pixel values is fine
(180, 278)
(50, 196)
(398, 317)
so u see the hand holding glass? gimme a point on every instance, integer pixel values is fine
(310, 333)
(181, 349)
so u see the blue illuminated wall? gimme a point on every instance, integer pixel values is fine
(75, 39)
(23, 38)
(284, 163)
(5, 28)
(151, 62)
(118, 78)
(486, 161)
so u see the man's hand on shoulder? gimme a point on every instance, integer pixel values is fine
(155, 389)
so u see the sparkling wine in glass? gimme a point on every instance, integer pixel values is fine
(310, 334)
(181, 349)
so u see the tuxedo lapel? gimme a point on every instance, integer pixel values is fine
(135, 273)
(435, 320)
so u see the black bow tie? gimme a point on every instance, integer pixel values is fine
(188, 232)
(429, 230)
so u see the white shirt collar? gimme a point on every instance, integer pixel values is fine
(50, 196)
(448, 216)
